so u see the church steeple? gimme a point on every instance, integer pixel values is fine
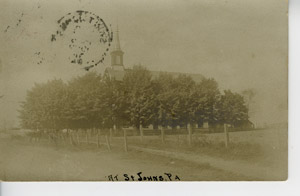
(117, 53)
(117, 42)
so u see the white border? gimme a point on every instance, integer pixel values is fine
(289, 187)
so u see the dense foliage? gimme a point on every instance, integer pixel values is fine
(93, 101)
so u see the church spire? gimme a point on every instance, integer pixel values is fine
(117, 53)
(117, 40)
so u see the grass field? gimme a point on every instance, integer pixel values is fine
(23, 160)
(262, 147)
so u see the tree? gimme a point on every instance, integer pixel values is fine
(164, 89)
(91, 101)
(140, 97)
(183, 110)
(86, 106)
(207, 93)
(118, 106)
(30, 112)
(44, 106)
(231, 108)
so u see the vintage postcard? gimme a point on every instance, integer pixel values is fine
(112, 90)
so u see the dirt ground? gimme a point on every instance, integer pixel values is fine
(252, 155)
(259, 153)
(24, 161)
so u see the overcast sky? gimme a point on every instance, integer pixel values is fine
(240, 43)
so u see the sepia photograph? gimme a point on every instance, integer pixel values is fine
(112, 90)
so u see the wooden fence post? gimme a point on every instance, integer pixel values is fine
(108, 143)
(98, 138)
(178, 135)
(49, 138)
(125, 141)
(141, 132)
(110, 134)
(64, 137)
(87, 136)
(70, 136)
(115, 129)
(226, 135)
(77, 135)
(189, 134)
(162, 131)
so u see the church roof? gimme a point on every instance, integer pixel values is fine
(119, 74)
(195, 77)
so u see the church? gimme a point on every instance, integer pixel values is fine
(117, 69)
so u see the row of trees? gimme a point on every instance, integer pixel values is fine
(94, 101)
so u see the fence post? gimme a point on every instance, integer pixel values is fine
(189, 134)
(162, 131)
(110, 134)
(70, 136)
(49, 136)
(77, 135)
(125, 141)
(98, 138)
(87, 136)
(226, 135)
(178, 135)
(115, 129)
(107, 142)
(141, 132)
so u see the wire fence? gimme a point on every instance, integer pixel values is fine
(98, 137)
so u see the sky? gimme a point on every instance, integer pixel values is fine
(242, 44)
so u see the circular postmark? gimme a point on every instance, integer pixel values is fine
(89, 38)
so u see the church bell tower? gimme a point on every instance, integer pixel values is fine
(117, 54)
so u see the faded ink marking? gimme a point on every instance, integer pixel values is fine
(72, 23)
(40, 57)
